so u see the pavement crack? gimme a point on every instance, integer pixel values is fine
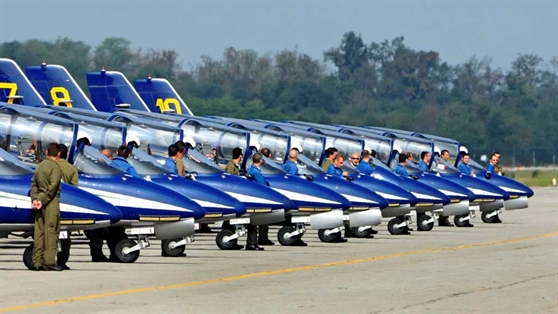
(458, 294)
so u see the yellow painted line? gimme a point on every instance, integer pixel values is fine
(268, 273)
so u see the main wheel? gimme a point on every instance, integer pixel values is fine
(391, 226)
(121, 246)
(460, 223)
(361, 234)
(423, 224)
(284, 236)
(488, 220)
(166, 246)
(331, 237)
(223, 241)
(28, 257)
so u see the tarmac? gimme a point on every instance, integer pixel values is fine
(507, 267)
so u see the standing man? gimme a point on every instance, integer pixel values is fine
(170, 162)
(491, 168)
(425, 160)
(290, 165)
(331, 153)
(179, 158)
(233, 167)
(69, 175)
(364, 164)
(443, 221)
(263, 230)
(464, 166)
(254, 171)
(45, 197)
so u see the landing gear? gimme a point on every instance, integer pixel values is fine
(127, 251)
(28, 257)
(462, 220)
(425, 223)
(329, 235)
(362, 232)
(398, 226)
(491, 217)
(173, 247)
(290, 235)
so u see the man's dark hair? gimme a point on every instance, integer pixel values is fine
(53, 149)
(181, 146)
(330, 151)
(463, 154)
(373, 153)
(63, 151)
(173, 150)
(237, 152)
(402, 158)
(423, 154)
(257, 158)
(443, 152)
(123, 151)
(266, 152)
(365, 154)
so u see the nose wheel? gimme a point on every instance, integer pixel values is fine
(124, 251)
(171, 249)
(329, 235)
(28, 257)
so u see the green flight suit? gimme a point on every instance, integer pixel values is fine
(326, 164)
(69, 176)
(46, 187)
(180, 167)
(232, 168)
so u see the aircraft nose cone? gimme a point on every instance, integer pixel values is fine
(196, 210)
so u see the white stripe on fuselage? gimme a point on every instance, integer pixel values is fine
(130, 201)
(510, 189)
(450, 193)
(211, 204)
(482, 192)
(391, 196)
(425, 196)
(251, 199)
(305, 197)
(353, 198)
(18, 201)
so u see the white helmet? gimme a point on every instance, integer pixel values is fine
(133, 138)
(437, 150)
(397, 148)
(296, 146)
(463, 149)
(82, 134)
(254, 143)
(189, 140)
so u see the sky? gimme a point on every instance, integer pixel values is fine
(456, 29)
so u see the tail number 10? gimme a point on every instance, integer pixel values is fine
(169, 104)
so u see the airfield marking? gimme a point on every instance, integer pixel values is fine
(268, 273)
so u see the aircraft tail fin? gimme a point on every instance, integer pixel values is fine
(160, 94)
(15, 88)
(57, 87)
(111, 90)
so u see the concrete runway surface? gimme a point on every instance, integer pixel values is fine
(508, 267)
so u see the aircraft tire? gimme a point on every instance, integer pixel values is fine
(391, 226)
(125, 258)
(220, 240)
(457, 221)
(282, 236)
(422, 225)
(28, 257)
(488, 220)
(361, 234)
(177, 251)
(328, 238)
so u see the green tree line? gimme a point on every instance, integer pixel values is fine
(384, 84)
